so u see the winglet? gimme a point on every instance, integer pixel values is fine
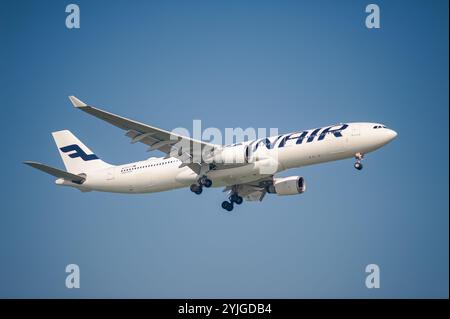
(76, 102)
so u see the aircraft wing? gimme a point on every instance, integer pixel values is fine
(182, 147)
(253, 191)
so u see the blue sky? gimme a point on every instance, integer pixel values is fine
(286, 64)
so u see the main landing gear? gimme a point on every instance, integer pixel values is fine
(198, 188)
(358, 165)
(233, 199)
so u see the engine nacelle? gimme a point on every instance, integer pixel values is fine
(291, 185)
(237, 154)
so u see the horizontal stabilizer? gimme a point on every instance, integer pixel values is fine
(57, 172)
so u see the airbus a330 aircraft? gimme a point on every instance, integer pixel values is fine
(246, 170)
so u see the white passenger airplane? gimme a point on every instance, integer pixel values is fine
(246, 170)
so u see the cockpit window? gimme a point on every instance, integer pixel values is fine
(379, 126)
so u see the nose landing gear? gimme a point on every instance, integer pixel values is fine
(358, 165)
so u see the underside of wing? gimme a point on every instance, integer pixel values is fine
(253, 191)
(184, 148)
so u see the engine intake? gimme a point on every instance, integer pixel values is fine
(291, 185)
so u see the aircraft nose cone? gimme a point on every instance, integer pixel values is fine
(391, 134)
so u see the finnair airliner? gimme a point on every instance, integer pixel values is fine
(246, 170)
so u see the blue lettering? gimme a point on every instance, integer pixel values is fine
(293, 136)
(78, 152)
(336, 132)
(269, 145)
(313, 135)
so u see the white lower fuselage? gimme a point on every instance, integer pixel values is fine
(160, 174)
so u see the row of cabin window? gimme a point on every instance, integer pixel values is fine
(145, 166)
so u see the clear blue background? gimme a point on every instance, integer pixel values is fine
(286, 64)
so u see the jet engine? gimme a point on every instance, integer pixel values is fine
(237, 154)
(291, 185)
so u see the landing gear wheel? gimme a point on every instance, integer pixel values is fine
(227, 206)
(207, 183)
(358, 165)
(235, 198)
(197, 189)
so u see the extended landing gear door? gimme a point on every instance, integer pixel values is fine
(110, 173)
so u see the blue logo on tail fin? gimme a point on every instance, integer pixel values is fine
(78, 152)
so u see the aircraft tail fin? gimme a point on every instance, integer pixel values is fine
(77, 157)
